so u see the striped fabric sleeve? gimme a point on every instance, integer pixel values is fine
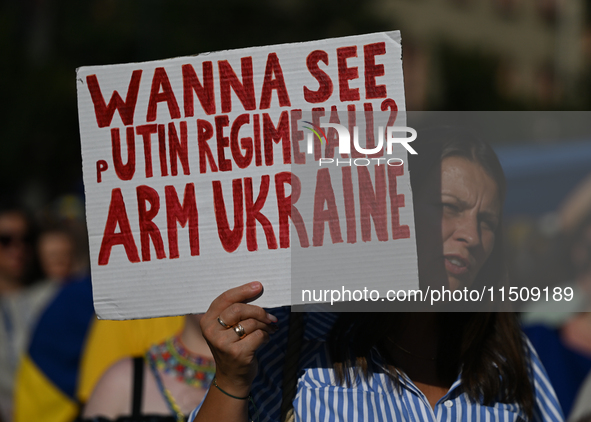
(547, 408)
(193, 414)
(319, 398)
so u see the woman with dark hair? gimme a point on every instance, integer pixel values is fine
(393, 366)
(21, 303)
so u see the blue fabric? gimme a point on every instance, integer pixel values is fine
(320, 398)
(566, 368)
(57, 342)
(540, 176)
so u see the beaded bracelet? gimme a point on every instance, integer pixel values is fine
(249, 397)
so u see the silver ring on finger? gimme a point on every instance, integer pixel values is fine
(222, 323)
(239, 330)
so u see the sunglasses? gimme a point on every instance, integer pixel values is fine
(8, 240)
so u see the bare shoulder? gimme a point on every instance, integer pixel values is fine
(111, 396)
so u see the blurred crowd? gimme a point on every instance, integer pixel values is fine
(53, 351)
(555, 251)
(38, 253)
(458, 55)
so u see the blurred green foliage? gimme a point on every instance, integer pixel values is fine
(44, 41)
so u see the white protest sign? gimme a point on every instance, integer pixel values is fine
(206, 172)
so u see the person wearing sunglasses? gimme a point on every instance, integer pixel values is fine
(15, 250)
(20, 302)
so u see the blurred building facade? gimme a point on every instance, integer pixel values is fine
(535, 51)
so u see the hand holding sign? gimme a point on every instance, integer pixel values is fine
(234, 355)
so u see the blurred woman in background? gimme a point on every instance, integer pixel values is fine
(55, 248)
(164, 385)
(20, 302)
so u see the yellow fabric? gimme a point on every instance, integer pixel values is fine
(110, 341)
(37, 398)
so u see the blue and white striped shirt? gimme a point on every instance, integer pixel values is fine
(320, 398)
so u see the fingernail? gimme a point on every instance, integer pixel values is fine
(272, 317)
(255, 285)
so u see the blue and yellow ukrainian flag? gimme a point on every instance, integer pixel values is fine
(69, 351)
